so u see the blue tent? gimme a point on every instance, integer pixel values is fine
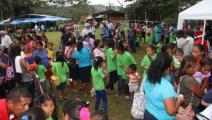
(17, 21)
(32, 20)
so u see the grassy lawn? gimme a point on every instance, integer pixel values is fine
(118, 108)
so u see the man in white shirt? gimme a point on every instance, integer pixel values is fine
(5, 39)
(86, 30)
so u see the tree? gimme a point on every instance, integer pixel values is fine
(158, 9)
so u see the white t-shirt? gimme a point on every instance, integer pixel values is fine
(85, 32)
(110, 26)
(184, 44)
(18, 64)
(6, 41)
(190, 44)
(98, 52)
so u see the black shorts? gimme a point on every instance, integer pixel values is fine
(62, 86)
(74, 72)
(85, 74)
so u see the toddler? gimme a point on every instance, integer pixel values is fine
(134, 79)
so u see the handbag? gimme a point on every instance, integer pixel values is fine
(187, 113)
(138, 106)
(55, 78)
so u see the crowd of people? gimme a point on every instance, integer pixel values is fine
(176, 72)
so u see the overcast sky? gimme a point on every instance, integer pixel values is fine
(106, 2)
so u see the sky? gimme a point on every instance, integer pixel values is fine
(106, 2)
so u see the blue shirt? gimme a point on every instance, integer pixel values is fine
(83, 57)
(105, 32)
(43, 56)
(155, 95)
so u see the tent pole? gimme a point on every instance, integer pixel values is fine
(203, 35)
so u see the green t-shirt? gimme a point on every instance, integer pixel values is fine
(111, 63)
(98, 79)
(62, 71)
(41, 70)
(176, 62)
(146, 61)
(49, 118)
(158, 47)
(123, 62)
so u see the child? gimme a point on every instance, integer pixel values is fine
(177, 58)
(48, 106)
(99, 115)
(134, 79)
(50, 50)
(148, 58)
(50, 53)
(204, 72)
(41, 70)
(34, 113)
(98, 77)
(111, 59)
(75, 110)
(61, 70)
(124, 59)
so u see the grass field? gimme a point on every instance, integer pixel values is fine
(118, 108)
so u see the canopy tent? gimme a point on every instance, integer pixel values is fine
(200, 11)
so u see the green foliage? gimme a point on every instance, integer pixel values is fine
(158, 10)
(12, 8)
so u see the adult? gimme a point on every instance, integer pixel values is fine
(157, 33)
(189, 86)
(15, 105)
(132, 38)
(4, 59)
(159, 92)
(182, 42)
(104, 34)
(64, 39)
(190, 44)
(5, 40)
(110, 27)
(42, 53)
(83, 56)
(86, 30)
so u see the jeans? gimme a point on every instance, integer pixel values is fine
(101, 94)
(122, 85)
(132, 44)
(149, 116)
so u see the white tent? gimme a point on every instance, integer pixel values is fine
(200, 11)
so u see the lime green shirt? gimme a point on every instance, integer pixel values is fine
(146, 62)
(111, 63)
(41, 70)
(176, 62)
(98, 79)
(61, 71)
(123, 62)
(158, 47)
(49, 118)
